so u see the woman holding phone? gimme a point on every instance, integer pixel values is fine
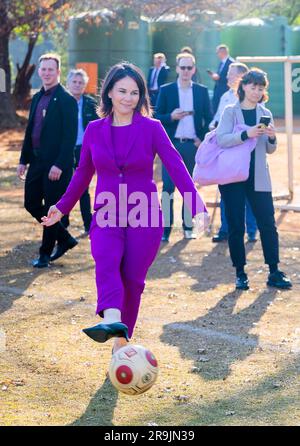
(252, 92)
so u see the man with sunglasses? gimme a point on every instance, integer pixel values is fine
(183, 107)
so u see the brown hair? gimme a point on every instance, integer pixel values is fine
(254, 76)
(50, 56)
(116, 73)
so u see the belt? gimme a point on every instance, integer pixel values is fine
(182, 140)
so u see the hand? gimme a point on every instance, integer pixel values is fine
(255, 131)
(54, 173)
(215, 76)
(178, 114)
(21, 169)
(197, 142)
(54, 215)
(270, 131)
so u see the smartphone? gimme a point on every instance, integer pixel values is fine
(190, 112)
(209, 71)
(264, 121)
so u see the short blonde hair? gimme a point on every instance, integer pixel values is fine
(182, 55)
(50, 56)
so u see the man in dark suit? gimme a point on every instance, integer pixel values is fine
(220, 77)
(157, 76)
(48, 148)
(77, 80)
(183, 108)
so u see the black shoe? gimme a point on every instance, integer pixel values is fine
(251, 238)
(103, 332)
(220, 238)
(279, 280)
(242, 282)
(42, 261)
(63, 248)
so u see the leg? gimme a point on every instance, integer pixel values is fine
(107, 247)
(250, 221)
(85, 209)
(33, 197)
(188, 152)
(53, 190)
(135, 265)
(262, 206)
(224, 226)
(234, 199)
(85, 200)
(167, 201)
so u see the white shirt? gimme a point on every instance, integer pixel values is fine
(186, 126)
(228, 98)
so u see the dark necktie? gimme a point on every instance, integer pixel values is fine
(154, 78)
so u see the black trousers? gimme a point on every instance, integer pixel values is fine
(85, 200)
(188, 151)
(40, 194)
(234, 196)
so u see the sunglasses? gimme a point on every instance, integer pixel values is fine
(186, 68)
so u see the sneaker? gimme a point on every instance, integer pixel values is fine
(242, 282)
(279, 280)
(189, 234)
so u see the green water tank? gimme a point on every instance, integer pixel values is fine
(171, 33)
(262, 37)
(105, 37)
(295, 51)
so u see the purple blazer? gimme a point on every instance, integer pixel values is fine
(146, 138)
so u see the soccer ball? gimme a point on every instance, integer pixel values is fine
(133, 369)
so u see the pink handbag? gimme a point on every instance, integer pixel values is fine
(223, 165)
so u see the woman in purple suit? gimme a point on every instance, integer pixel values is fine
(127, 224)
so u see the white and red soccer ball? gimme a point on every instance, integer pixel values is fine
(133, 369)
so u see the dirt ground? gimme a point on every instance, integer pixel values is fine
(225, 357)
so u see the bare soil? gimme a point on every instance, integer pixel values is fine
(225, 357)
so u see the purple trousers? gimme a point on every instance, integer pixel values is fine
(123, 257)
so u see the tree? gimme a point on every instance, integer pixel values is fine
(14, 14)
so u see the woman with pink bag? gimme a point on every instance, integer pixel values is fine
(257, 188)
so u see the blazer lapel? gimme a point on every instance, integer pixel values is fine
(134, 129)
(239, 114)
(196, 102)
(35, 106)
(52, 105)
(107, 136)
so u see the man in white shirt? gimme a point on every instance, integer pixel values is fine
(157, 76)
(234, 75)
(220, 77)
(183, 107)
